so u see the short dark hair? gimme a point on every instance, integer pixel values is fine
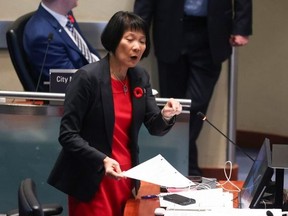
(120, 22)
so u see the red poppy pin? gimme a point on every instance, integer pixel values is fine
(71, 18)
(138, 92)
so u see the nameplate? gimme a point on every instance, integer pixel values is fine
(59, 79)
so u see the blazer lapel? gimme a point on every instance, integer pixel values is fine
(138, 103)
(107, 98)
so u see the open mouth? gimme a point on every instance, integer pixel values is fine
(134, 57)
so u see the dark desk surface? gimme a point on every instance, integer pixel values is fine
(142, 207)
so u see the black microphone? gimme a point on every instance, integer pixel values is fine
(50, 38)
(204, 118)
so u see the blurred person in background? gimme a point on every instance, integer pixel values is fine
(53, 31)
(191, 40)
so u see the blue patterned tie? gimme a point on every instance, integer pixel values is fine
(80, 44)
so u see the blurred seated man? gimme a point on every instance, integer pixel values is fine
(53, 31)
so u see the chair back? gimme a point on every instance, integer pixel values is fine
(14, 38)
(28, 204)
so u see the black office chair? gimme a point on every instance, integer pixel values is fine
(14, 38)
(29, 205)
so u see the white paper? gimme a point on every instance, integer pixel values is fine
(224, 212)
(158, 170)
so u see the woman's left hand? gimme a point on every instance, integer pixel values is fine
(171, 108)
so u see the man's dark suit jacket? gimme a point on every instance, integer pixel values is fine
(62, 52)
(87, 127)
(167, 17)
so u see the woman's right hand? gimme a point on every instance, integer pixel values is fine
(112, 168)
(171, 108)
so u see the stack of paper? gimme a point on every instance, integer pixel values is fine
(159, 171)
(205, 200)
(224, 212)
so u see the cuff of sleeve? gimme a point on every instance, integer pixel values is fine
(169, 121)
(165, 118)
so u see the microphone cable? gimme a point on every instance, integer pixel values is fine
(50, 38)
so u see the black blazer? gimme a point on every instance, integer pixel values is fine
(167, 17)
(86, 129)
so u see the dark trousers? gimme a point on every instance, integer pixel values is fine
(192, 76)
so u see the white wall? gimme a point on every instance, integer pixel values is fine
(263, 71)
